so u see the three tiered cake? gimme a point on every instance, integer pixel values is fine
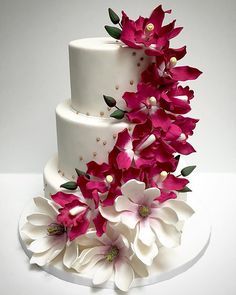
(114, 201)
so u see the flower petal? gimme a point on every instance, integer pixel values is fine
(146, 235)
(39, 219)
(71, 253)
(103, 273)
(174, 183)
(150, 194)
(182, 209)
(129, 219)
(42, 244)
(124, 159)
(47, 256)
(87, 267)
(184, 73)
(109, 213)
(34, 232)
(133, 190)
(45, 206)
(167, 234)
(87, 254)
(124, 204)
(139, 267)
(166, 214)
(124, 275)
(145, 253)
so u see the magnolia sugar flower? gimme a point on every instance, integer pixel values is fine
(48, 236)
(154, 222)
(109, 257)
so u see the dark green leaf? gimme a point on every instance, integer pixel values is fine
(177, 157)
(80, 173)
(110, 101)
(70, 185)
(185, 190)
(113, 16)
(187, 170)
(113, 32)
(118, 114)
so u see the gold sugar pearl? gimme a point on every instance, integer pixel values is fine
(87, 113)
(117, 87)
(98, 139)
(142, 58)
(130, 128)
(46, 184)
(63, 174)
(108, 108)
(94, 154)
(59, 171)
(81, 158)
(114, 136)
(77, 112)
(138, 64)
(104, 142)
(101, 113)
(131, 82)
(133, 53)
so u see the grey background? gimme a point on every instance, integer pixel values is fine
(34, 73)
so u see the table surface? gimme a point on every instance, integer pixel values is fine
(213, 274)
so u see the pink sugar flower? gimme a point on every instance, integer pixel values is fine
(77, 215)
(148, 32)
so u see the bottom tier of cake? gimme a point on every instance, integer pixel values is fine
(168, 263)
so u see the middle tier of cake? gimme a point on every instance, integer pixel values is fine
(82, 138)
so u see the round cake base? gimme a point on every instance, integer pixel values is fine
(169, 262)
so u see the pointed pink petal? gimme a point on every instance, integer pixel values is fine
(62, 198)
(100, 224)
(174, 183)
(184, 73)
(124, 160)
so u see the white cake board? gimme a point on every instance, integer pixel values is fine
(169, 262)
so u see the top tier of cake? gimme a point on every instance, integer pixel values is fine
(101, 66)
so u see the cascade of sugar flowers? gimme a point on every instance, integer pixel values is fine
(137, 186)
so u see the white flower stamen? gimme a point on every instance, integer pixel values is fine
(163, 176)
(76, 210)
(150, 27)
(173, 62)
(152, 100)
(182, 137)
(151, 138)
(109, 179)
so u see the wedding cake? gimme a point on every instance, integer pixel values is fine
(115, 195)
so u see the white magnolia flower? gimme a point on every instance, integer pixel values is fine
(108, 258)
(48, 238)
(155, 224)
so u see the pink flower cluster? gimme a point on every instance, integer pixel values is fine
(150, 152)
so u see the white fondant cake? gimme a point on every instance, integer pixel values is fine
(101, 66)
(83, 138)
(115, 194)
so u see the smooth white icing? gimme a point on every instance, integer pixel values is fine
(82, 138)
(98, 66)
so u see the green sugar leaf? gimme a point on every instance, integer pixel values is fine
(113, 32)
(110, 101)
(70, 185)
(187, 170)
(113, 16)
(118, 114)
